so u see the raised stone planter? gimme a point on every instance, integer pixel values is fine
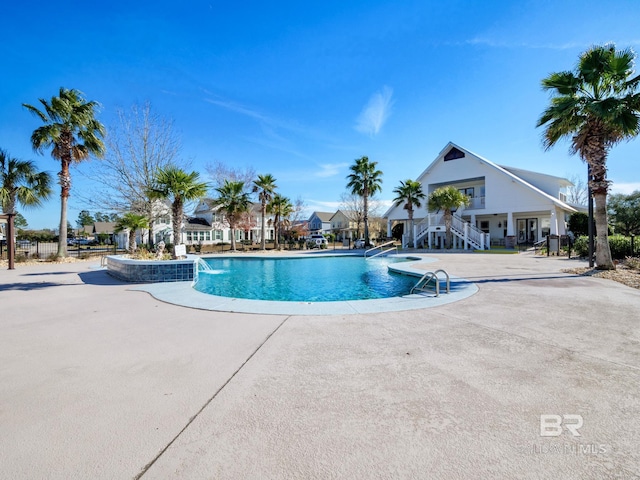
(152, 271)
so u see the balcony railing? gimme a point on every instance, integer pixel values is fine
(476, 203)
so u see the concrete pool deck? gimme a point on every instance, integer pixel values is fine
(100, 381)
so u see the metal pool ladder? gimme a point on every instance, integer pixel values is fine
(423, 283)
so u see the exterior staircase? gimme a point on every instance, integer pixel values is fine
(472, 236)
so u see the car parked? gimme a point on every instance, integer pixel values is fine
(359, 243)
(23, 244)
(317, 241)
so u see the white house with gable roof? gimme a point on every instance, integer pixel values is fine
(508, 205)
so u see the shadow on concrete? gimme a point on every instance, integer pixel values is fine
(521, 278)
(31, 286)
(100, 277)
(39, 274)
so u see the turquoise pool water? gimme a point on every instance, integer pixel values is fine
(317, 279)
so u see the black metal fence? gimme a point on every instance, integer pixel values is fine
(26, 250)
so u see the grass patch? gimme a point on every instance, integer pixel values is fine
(498, 250)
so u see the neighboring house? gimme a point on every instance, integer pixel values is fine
(343, 225)
(104, 231)
(508, 205)
(320, 222)
(208, 226)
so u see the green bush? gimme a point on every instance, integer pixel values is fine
(620, 246)
(581, 246)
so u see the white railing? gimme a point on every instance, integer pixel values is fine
(476, 202)
(460, 227)
(422, 228)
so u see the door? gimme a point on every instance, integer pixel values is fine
(527, 230)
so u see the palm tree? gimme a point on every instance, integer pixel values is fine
(21, 183)
(596, 106)
(447, 199)
(72, 131)
(233, 202)
(265, 185)
(281, 207)
(365, 181)
(174, 184)
(132, 222)
(410, 193)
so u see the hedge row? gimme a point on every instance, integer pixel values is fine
(620, 246)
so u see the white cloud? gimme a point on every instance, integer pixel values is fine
(625, 188)
(319, 205)
(330, 169)
(235, 107)
(501, 44)
(375, 113)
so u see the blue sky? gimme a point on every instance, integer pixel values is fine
(301, 89)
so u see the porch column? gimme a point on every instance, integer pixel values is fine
(553, 222)
(389, 229)
(510, 224)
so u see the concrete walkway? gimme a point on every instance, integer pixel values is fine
(98, 381)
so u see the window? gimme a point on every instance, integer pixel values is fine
(467, 191)
(562, 197)
(218, 235)
(453, 154)
(189, 237)
(484, 226)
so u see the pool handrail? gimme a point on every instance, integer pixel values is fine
(423, 283)
(382, 251)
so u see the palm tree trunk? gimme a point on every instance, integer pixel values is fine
(276, 227)
(447, 226)
(233, 237)
(65, 186)
(62, 239)
(595, 154)
(603, 251)
(412, 230)
(262, 230)
(365, 198)
(132, 241)
(176, 210)
(11, 203)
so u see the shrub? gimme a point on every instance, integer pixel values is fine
(581, 246)
(620, 246)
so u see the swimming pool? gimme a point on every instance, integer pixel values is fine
(315, 279)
